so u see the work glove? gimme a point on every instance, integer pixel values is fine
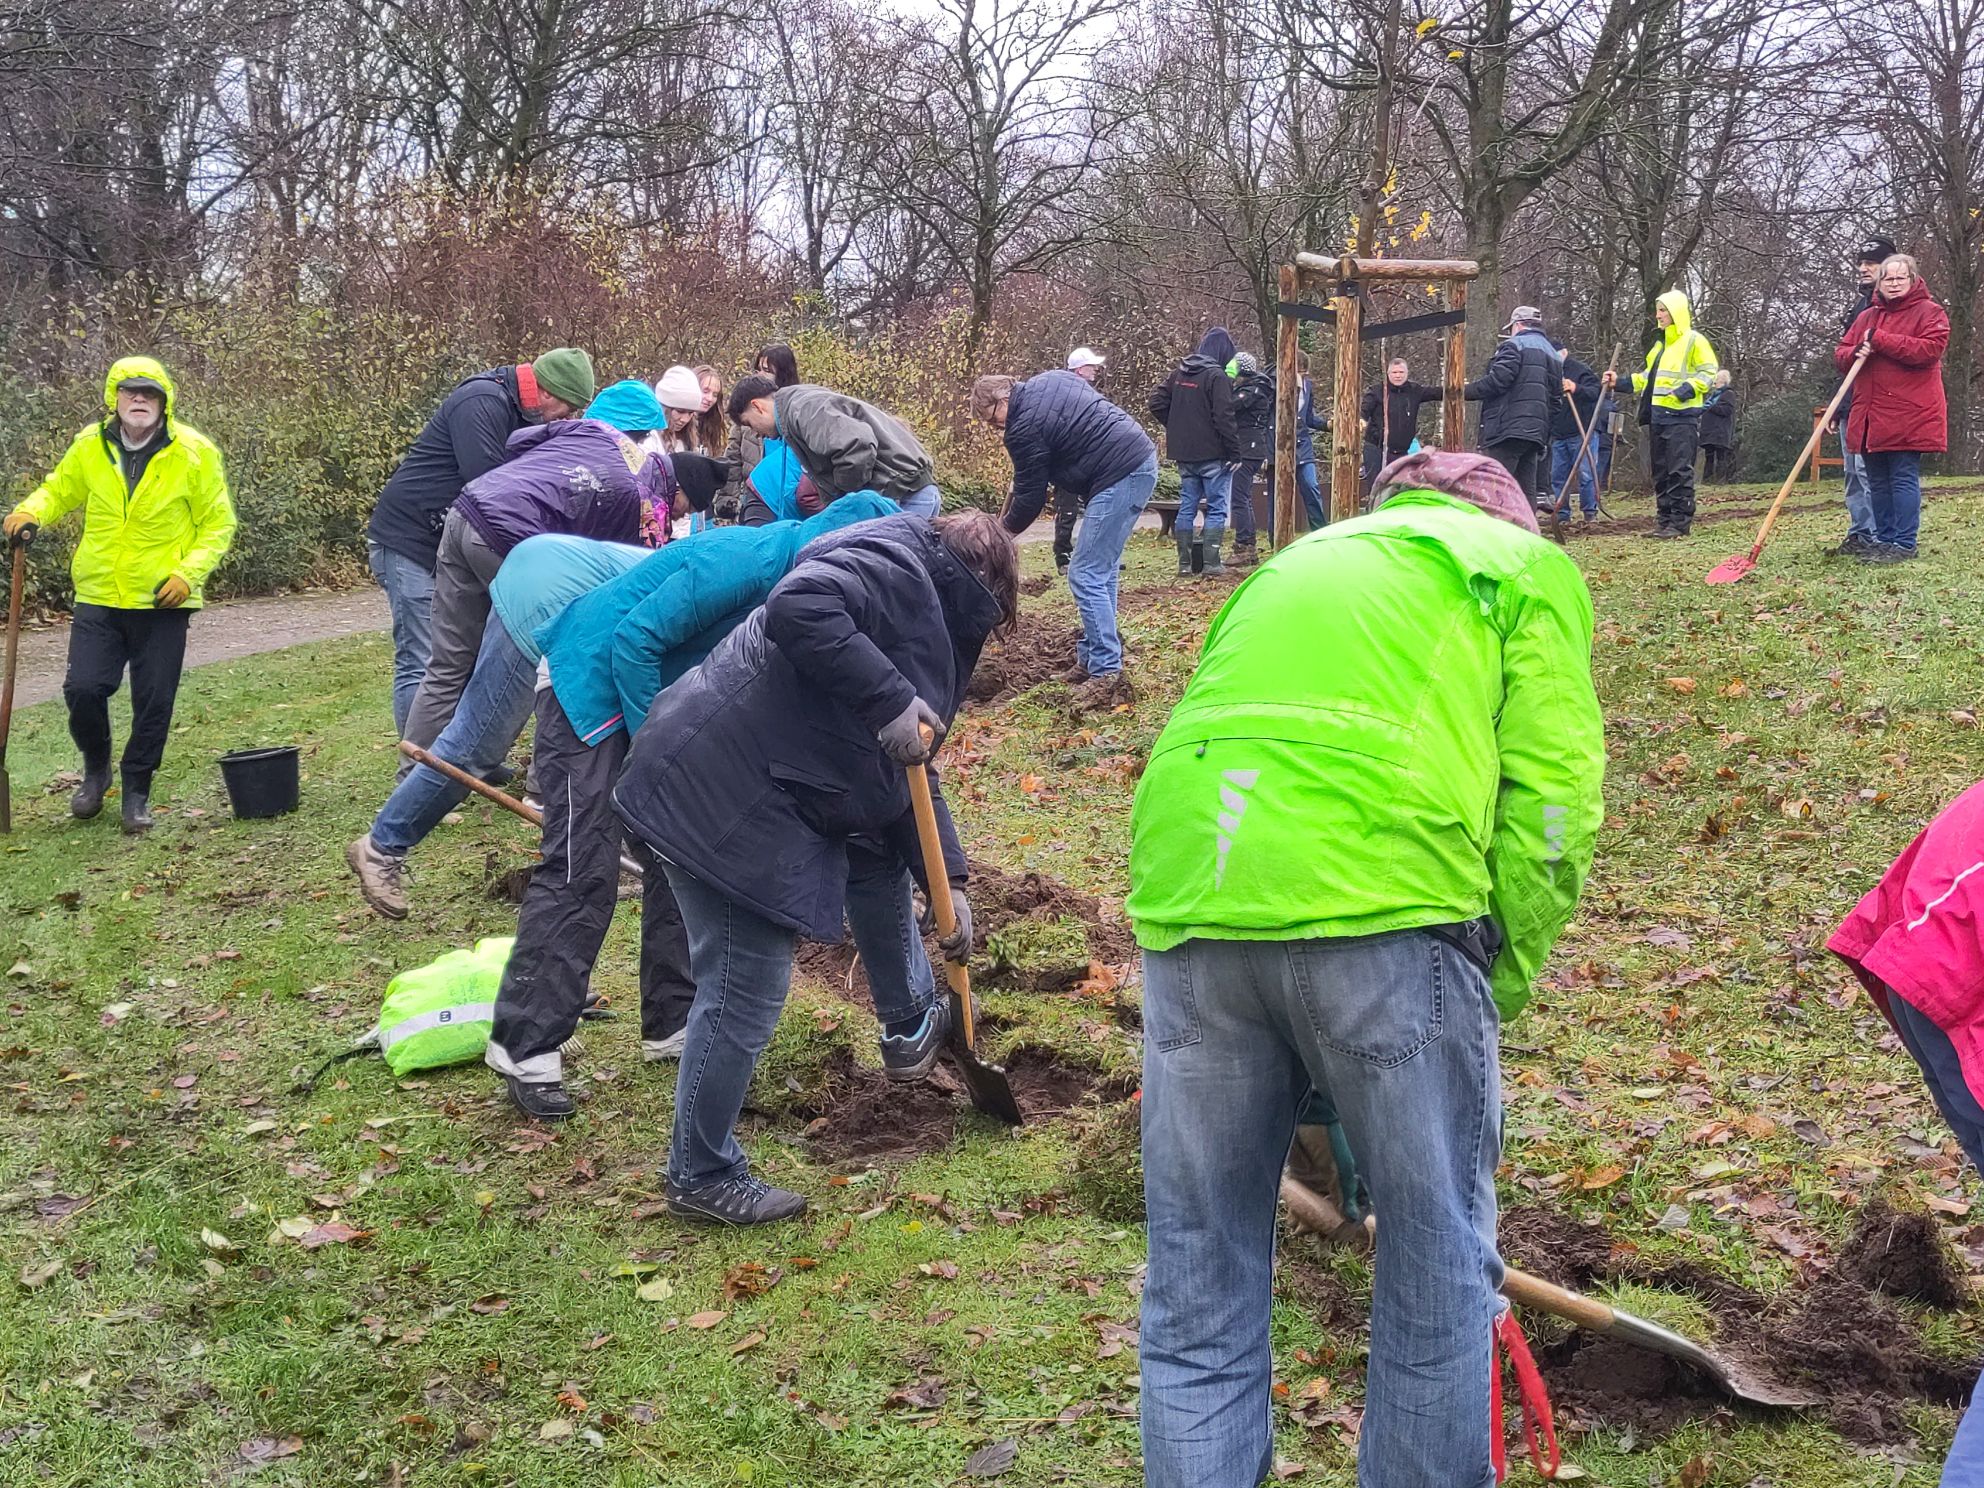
(902, 736)
(172, 593)
(957, 945)
(19, 528)
(1687, 392)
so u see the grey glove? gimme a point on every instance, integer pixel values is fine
(902, 736)
(957, 945)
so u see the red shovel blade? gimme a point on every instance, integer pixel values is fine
(1732, 570)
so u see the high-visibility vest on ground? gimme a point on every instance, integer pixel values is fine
(441, 1013)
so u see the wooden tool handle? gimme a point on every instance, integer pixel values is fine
(1534, 1291)
(13, 644)
(1804, 457)
(938, 881)
(461, 777)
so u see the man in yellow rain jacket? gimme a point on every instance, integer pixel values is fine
(1679, 369)
(156, 519)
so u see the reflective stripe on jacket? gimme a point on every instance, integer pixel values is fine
(1682, 364)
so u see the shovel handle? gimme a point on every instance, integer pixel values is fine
(15, 584)
(1804, 457)
(462, 778)
(939, 882)
(1533, 1291)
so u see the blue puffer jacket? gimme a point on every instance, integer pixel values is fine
(1063, 433)
(576, 476)
(612, 651)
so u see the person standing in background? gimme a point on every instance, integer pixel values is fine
(1902, 412)
(1519, 392)
(707, 435)
(1680, 365)
(1253, 418)
(157, 519)
(1195, 405)
(1719, 429)
(1087, 364)
(746, 447)
(1568, 445)
(680, 392)
(1391, 417)
(1859, 508)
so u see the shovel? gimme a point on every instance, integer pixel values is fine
(1730, 571)
(1315, 1212)
(1584, 448)
(462, 778)
(7, 688)
(987, 1084)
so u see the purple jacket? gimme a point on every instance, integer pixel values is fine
(575, 476)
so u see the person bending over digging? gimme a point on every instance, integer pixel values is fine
(1346, 864)
(1914, 941)
(156, 520)
(771, 782)
(842, 443)
(606, 657)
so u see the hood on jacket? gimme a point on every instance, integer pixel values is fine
(856, 506)
(1675, 304)
(125, 368)
(1218, 345)
(1919, 290)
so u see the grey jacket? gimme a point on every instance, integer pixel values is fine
(847, 445)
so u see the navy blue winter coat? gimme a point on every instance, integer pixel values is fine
(1563, 424)
(756, 770)
(1063, 433)
(464, 439)
(1519, 390)
(1195, 404)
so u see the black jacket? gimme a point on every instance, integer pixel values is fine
(755, 771)
(465, 438)
(1861, 300)
(1403, 427)
(1719, 419)
(1519, 391)
(1253, 414)
(1563, 424)
(1061, 432)
(1195, 404)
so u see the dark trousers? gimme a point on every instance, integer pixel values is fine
(1673, 449)
(1524, 461)
(102, 642)
(569, 905)
(1067, 506)
(1240, 509)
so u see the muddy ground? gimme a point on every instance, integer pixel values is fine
(1039, 650)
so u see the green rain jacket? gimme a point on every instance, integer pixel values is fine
(1392, 726)
(1681, 363)
(179, 520)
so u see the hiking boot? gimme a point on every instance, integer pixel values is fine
(137, 810)
(740, 1201)
(1075, 675)
(1100, 694)
(1244, 555)
(381, 877)
(88, 799)
(911, 1056)
(547, 1100)
(1664, 533)
(654, 1051)
(1851, 546)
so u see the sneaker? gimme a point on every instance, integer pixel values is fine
(88, 799)
(547, 1100)
(911, 1056)
(739, 1201)
(381, 877)
(1851, 546)
(654, 1051)
(1881, 554)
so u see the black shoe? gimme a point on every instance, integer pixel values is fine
(739, 1201)
(88, 799)
(911, 1056)
(1851, 546)
(1667, 534)
(1881, 554)
(137, 810)
(547, 1100)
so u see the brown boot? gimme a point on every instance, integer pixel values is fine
(1101, 694)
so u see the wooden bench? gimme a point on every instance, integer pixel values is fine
(1820, 459)
(1167, 515)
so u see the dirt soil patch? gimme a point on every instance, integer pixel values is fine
(1837, 1336)
(861, 1115)
(1038, 650)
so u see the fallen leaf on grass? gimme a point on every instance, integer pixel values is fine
(993, 1459)
(556, 1429)
(269, 1448)
(1683, 685)
(493, 1303)
(1603, 1177)
(337, 1232)
(946, 1270)
(748, 1342)
(658, 1290)
(706, 1319)
(1945, 1206)
(925, 1394)
(1696, 1472)
(33, 1277)
(1283, 1471)
(750, 1280)
(218, 1243)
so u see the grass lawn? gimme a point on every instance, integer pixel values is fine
(208, 1276)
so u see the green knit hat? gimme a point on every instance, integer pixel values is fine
(566, 374)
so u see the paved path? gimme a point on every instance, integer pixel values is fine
(222, 632)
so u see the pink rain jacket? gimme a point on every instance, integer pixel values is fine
(1919, 935)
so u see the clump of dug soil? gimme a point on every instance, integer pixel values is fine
(1038, 650)
(1902, 1255)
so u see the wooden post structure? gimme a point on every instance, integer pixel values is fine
(1346, 442)
(1453, 407)
(1288, 401)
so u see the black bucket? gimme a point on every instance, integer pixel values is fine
(261, 782)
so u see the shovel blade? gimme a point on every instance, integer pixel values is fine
(1732, 570)
(986, 1084)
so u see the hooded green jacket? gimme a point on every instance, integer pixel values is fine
(178, 520)
(1681, 363)
(1392, 726)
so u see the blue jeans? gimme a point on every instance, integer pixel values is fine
(1399, 1033)
(1094, 572)
(1894, 491)
(742, 964)
(1203, 484)
(927, 502)
(494, 707)
(409, 590)
(1563, 454)
(1859, 504)
(1310, 483)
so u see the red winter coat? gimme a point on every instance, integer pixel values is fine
(1898, 397)
(1919, 934)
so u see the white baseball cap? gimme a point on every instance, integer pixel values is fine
(679, 389)
(1083, 356)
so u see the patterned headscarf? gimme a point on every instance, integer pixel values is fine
(1475, 479)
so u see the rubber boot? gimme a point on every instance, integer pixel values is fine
(1210, 543)
(1184, 535)
(88, 799)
